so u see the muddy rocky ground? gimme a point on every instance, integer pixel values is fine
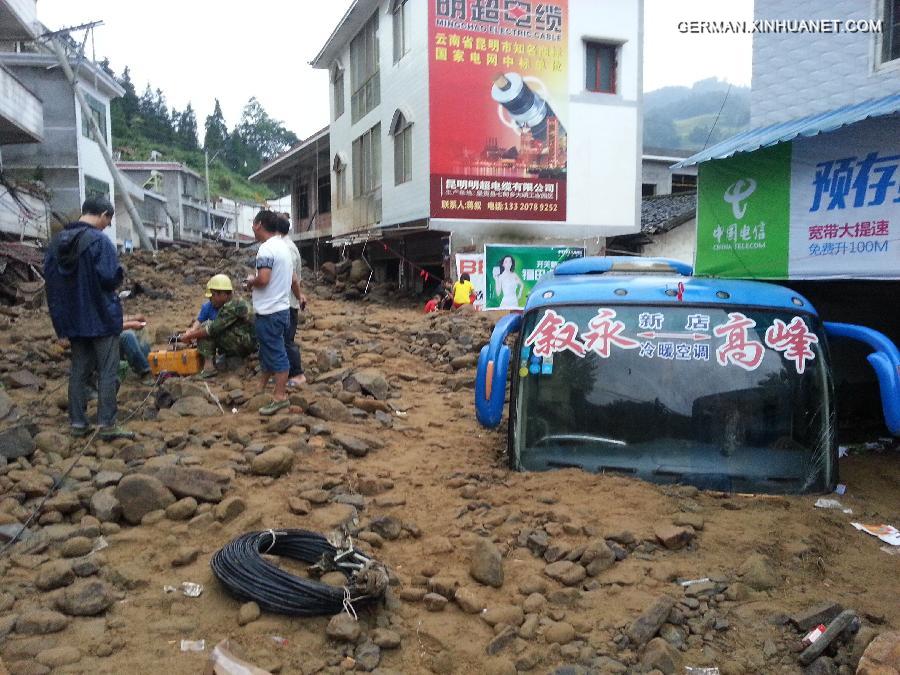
(492, 571)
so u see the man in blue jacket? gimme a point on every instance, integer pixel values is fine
(82, 272)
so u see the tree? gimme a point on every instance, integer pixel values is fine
(186, 129)
(124, 110)
(263, 136)
(216, 132)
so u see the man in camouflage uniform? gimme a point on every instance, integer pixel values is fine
(229, 330)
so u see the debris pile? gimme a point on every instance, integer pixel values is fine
(490, 571)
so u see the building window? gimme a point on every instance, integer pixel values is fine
(95, 188)
(303, 201)
(601, 63)
(364, 80)
(340, 180)
(683, 182)
(400, 11)
(98, 112)
(890, 37)
(324, 195)
(401, 130)
(648, 189)
(367, 177)
(337, 82)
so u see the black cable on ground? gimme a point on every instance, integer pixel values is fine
(247, 576)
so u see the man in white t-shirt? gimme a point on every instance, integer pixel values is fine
(296, 378)
(272, 285)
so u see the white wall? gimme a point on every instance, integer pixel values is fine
(799, 74)
(680, 243)
(405, 84)
(604, 171)
(90, 158)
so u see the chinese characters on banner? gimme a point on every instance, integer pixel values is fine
(816, 208)
(692, 342)
(512, 271)
(498, 96)
(473, 265)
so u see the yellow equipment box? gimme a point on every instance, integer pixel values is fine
(182, 361)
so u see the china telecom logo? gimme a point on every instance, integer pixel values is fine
(737, 193)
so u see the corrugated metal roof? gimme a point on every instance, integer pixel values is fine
(753, 139)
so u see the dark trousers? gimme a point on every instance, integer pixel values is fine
(293, 349)
(90, 354)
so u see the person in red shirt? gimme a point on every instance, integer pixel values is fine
(432, 305)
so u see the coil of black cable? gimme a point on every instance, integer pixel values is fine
(247, 576)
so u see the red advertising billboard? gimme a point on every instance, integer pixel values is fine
(498, 93)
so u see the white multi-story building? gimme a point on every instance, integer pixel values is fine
(471, 122)
(796, 74)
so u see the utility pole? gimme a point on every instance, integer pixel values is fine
(100, 139)
(208, 214)
(206, 160)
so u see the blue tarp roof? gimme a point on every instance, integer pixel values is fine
(753, 139)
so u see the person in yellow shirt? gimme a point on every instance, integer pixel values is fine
(463, 290)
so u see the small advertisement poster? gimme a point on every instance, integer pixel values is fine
(512, 271)
(817, 208)
(473, 265)
(498, 78)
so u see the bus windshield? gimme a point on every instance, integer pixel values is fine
(729, 398)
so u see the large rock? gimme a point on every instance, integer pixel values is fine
(179, 388)
(20, 379)
(184, 481)
(194, 406)
(647, 625)
(41, 622)
(85, 598)
(52, 441)
(274, 462)
(140, 494)
(330, 410)
(343, 628)
(597, 557)
(16, 442)
(486, 564)
(662, 656)
(7, 405)
(359, 271)
(355, 447)
(758, 574)
(371, 381)
(882, 656)
(328, 271)
(105, 507)
(673, 537)
(54, 574)
(58, 656)
(565, 572)
(561, 633)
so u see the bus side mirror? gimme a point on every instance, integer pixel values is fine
(493, 367)
(885, 360)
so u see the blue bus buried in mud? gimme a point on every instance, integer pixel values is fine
(632, 366)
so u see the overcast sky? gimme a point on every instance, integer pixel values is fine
(197, 50)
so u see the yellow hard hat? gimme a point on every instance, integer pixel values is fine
(220, 282)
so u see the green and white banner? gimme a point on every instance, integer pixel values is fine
(824, 207)
(512, 271)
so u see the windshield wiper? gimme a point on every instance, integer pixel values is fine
(581, 438)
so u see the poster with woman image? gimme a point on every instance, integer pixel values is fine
(511, 271)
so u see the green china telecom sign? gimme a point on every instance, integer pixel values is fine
(822, 207)
(742, 212)
(512, 271)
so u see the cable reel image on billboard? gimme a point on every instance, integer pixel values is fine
(527, 110)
